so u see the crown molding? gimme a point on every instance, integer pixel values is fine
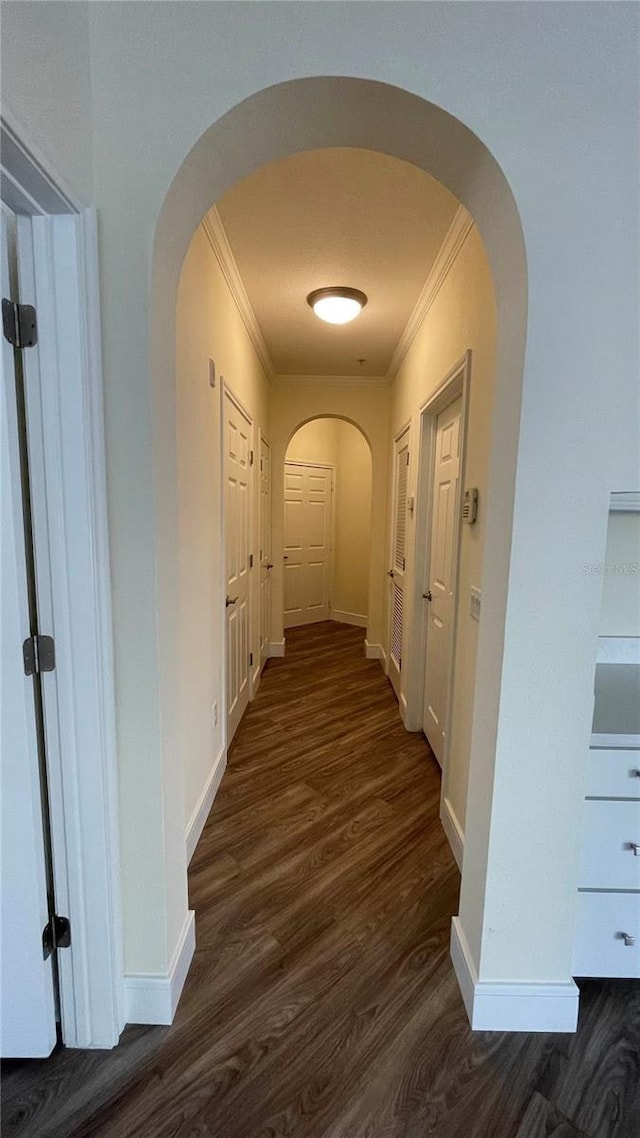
(219, 242)
(330, 380)
(457, 234)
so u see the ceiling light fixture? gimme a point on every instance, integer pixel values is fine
(337, 305)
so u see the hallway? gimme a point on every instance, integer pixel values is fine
(321, 1001)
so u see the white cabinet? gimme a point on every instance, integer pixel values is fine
(607, 940)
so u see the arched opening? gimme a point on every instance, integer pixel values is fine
(327, 524)
(333, 112)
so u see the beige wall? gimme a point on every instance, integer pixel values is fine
(344, 447)
(316, 441)
(621, 584)
(462, 317)
(208, 326)
(353, 524)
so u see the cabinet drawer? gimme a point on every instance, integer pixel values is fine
(613, 774)
(608, 861)
(600, 949)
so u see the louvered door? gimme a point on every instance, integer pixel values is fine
(398, 557)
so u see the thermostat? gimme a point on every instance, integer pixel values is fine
(470, 506)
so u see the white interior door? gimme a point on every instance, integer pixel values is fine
(265, 549)
(308, 522)
(440, 586)
(396, 572)
(27, 1003)
(237, 476)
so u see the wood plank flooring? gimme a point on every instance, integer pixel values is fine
(321, 1002)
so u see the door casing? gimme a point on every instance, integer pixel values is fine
(457, 383)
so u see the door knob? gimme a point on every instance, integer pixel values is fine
(427, 595)
(269, 565)
(390, 573)
(628, 939)
(230, 601)
(635, 846)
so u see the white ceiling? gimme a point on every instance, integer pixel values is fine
(335, 217)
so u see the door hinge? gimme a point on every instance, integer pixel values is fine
(55, 934)
(39, 655)
(407, 458)
(404, 564)
(251, 657)
(250, 458)
(19, 324)
(251, 560)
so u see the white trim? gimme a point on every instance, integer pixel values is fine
(219, 242)
(457, 234)
(615, 742)
(453, 830)
(625, 502)
(276, 648)
(373, 651)
(153, 998)
(200, 813)
(64, 286)
(511, 1005)
(349, 618)
(330, 380)
(618, 650)
(255, 677)
(402, 706)
(30, 183)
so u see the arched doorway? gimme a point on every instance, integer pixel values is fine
(341, 112)
(327, 572)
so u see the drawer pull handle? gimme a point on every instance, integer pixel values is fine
(635, 846)
(628, 939)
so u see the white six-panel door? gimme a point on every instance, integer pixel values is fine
(236, 435)
(396, 572)
(308, 522)
(440, 586)
(27, 1008)
(265, 549)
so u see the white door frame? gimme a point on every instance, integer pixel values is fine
(404, 429)
(456, 384)
(226, 389)
(332, 521)
(60, 237)
(263, 441)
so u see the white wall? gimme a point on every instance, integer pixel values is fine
(45, 86)
(341, 445)
(621, 576)
(535, 83)
(462, 317)
(209, 326)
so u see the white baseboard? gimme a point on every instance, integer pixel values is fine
(154, 998)
(349, 618)
(195, 826)
(511, 1005)
(453, 830)
(276, 648)
(376, 652)
(255, 679)
(403, 709)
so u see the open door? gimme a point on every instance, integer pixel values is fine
(27, 999)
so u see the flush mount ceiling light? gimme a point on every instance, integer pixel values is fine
(337, 305)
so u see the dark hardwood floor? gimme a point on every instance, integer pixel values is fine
(321, 1002)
